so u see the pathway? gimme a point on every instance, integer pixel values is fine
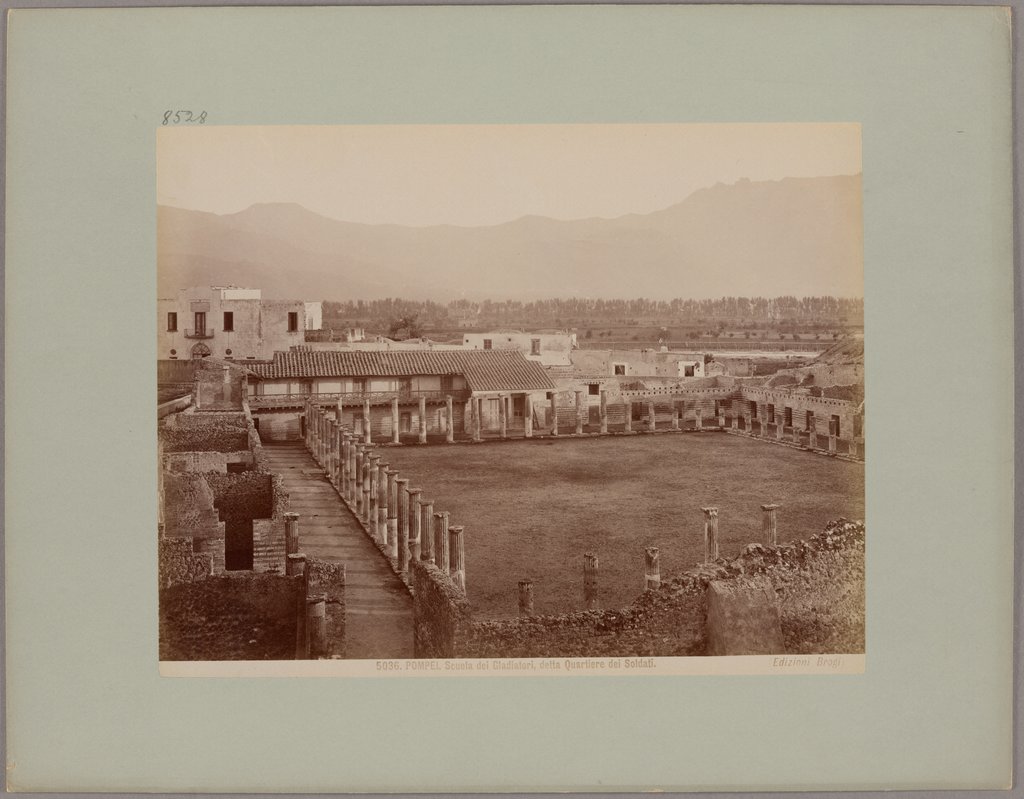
(378, 608)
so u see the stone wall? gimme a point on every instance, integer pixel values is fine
(242, 617)
(328, 579)
(819, 601)
(219, 387)
(178, 564)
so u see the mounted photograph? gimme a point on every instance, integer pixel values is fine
(511, 399)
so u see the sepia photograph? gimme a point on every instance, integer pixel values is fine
(506, 392)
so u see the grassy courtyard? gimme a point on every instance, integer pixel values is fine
(531, 509)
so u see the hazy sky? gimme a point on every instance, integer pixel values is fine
(484, 174)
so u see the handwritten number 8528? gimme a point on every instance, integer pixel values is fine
(183, 117)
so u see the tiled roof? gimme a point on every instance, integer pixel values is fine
(484, 370)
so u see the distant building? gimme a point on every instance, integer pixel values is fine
(548, 349)
(314, 315)
(228, 322)
(642, 363)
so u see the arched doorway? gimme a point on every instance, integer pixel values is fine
(200, 350)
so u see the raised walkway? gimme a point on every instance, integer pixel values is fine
(378, 608)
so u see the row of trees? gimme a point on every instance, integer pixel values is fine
(732, 311)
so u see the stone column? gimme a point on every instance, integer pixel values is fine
(554, 413)
(768, 525)
(629, 416)
(353, 449)
(339, 411)
(457, 556)
(415, 539)
(527, 416)
(652, 569)
(525, 598)
(346, 441)
(748, 420)
(441, 552)
(291, 534)
(503, 416)
(393, 513)
(812, 434)
(762, 412)
(427, 531)
(604, 419)
(316, 625)
(449, 426)
(367, 461)
(710, 534)
(675, 415)
(652, 421)
(295, 564)
(332, 452)
(832, 437)
(579, 413)
(423, 420)
(339, 458)
(371, 512)
(721, 414)
(590, 581)
(734, 421)
(478, 409)
(780, 425)
(698, 421)
(402, 484)
(357, 482)
(380, 527)
(367, 423)
(395, 437)
(795, 433)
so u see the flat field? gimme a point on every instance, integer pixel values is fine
(531, 509)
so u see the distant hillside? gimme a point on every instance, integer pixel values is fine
(799, 236)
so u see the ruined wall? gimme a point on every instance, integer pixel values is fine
(178, 564)
(329, 579)
(219, 387)
(201, 432)
(819, 587)
(242, 617)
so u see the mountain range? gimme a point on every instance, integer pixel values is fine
(798, 236)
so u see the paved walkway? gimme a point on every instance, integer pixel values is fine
(378, 608)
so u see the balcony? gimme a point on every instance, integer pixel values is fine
(205, 332)
(352, 399)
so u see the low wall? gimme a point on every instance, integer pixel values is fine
(179, 564)
(241, 617)
(819, 587)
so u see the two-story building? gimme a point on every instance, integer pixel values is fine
(548, 349)
(228, 322)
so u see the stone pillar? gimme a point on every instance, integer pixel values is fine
(353, 449)
(380, 527)
(392, 513)
(604, 419)
(367, 460)
(629, 416)
(780, 424)
(768, 525)
(357, 482)
(427, 531)
(423, 420)
(503, 416)
(295, 564)
(478, 409)
(554, 413)
(395, 437)
(371, 512)
(812, 434)
(675, 415)
(339, 458)
(441, 552)
(698, 422)
(734, 421)
(590, 581)
(415, 540)
(339, 410)
(652, 569)
(449, 420)
(710, 534)
(457, 556)
(748, 421)
(332, 451)
(832, 437)
(525, 598)
(343, 486)
(527, 416)
(316, 625)
(367, 423)
(652, 421)
(291, 534)
(721, 414)
(795, 434)
(402, 484)
(762, 414)
(579, 413)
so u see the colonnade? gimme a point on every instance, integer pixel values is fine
(404, 525)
